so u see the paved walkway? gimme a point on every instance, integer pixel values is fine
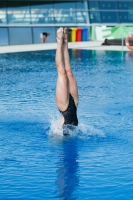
(92, 45)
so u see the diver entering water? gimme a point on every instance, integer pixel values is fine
(66, 88)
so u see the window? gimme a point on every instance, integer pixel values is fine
(107, 5)
(109, 17)
(81, 13)
(21, 35)
(2, 12)
(64, 16)
(94, 17)
(42, 12)
(3, 36)
(64, 12)
(38, 30)
(126, 17)
(64, 5)
(94, 13)
(80, 5)
(18, 12)
(93, 5)
(127, 6)
(81, 16)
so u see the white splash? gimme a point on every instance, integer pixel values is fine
(86, 131)
(82, 131)
(55, 128)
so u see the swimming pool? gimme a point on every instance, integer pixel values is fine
(96, 161)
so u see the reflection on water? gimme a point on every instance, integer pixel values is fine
(129, 56)
(67, 167)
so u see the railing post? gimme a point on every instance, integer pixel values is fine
(122, 40)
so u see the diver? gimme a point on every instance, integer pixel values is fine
(44, 36)
(66, 88)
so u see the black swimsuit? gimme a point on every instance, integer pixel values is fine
(70, 114)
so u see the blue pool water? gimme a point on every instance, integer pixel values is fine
(95, 161)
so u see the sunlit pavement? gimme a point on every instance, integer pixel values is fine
(92, 45)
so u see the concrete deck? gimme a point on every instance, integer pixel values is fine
(91, 45)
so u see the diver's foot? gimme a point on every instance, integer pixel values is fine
(60, 36)
(65, 35)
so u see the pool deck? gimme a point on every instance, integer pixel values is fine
(91, 45)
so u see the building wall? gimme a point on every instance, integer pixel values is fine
(21, 22)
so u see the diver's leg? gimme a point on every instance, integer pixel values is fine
(73, 89)
(44, 39)
(62, 91)
(41, 36)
